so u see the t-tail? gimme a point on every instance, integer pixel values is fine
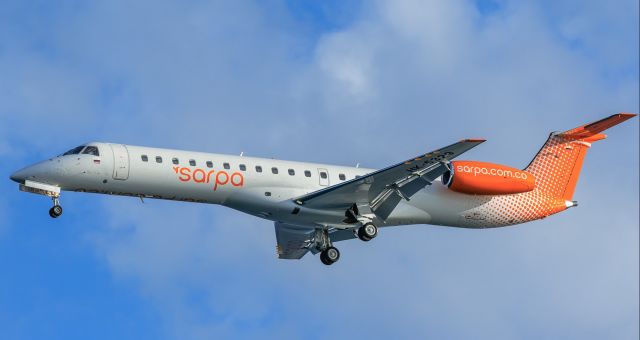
(558, 163)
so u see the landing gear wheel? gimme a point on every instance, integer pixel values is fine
(55, 211)
(367, 232)
(330, 256)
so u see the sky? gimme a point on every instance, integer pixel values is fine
(340, 82)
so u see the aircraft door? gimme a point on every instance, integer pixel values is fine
(323, 175)
(120, 161)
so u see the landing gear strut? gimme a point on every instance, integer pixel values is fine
(56, 210)
(367, 232)
(328, 254)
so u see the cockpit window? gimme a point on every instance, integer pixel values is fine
(91, 150)
(74, 151)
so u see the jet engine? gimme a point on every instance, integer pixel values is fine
(482, 178)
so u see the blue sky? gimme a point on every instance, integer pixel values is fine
(341, 82)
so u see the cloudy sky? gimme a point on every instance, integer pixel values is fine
(336, 81)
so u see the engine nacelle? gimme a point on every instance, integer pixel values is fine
(482, 178)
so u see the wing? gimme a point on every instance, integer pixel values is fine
(382, 190)
(293, 242)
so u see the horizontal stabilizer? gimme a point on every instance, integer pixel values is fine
(592, 129)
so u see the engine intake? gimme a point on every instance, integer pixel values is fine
(482, 178)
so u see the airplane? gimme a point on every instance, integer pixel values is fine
(315, 205)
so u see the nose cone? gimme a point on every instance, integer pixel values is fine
(43, 172)
(18, 176)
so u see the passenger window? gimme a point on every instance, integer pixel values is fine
(307, 173)
(144, 158)
(258, 168)
(91, 150)
(243, 167)
(342, 177)
(226, 166)
(209, 164)
(175, 161)
(292, 172)
(274, 171)
(323, 175)
(158, 159)
(192, 162)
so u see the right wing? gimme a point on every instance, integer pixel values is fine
(382, 190)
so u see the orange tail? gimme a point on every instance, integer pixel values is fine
(557, 165)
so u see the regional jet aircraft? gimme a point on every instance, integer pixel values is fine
(315, 205)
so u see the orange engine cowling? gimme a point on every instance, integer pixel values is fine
(482, 178)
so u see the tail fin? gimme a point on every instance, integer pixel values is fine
(557, 165)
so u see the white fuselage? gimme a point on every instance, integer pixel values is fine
(247, 184)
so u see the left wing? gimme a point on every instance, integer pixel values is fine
(293, 242)
(382, 190)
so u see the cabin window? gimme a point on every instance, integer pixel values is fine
(192, 162)
(258, 168)
(307, 173)
(267, 193)
(342, 177)
(292, 172)
(144, 158)
(226, 166)
(91, 150)
(323, 175)
(175, 161)
(158, 159)
(243, 167)
(274, 171)
(209, 164)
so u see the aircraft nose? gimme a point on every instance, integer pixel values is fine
(18, 176)
(43, 172)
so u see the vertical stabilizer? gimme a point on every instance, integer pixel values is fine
(558, 163)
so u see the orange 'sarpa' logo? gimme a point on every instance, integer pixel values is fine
(219, 178)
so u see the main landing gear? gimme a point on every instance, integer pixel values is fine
(330, 255)
(367, 232)
(56, 210)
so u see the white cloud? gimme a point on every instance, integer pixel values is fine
(407, 75)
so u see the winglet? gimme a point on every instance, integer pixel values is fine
(593, 129)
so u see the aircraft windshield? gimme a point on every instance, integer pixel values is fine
(74, 151)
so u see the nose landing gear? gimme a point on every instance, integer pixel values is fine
(56, 210)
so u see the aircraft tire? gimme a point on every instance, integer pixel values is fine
(55, 211)
(330, 256)
(367, 232)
